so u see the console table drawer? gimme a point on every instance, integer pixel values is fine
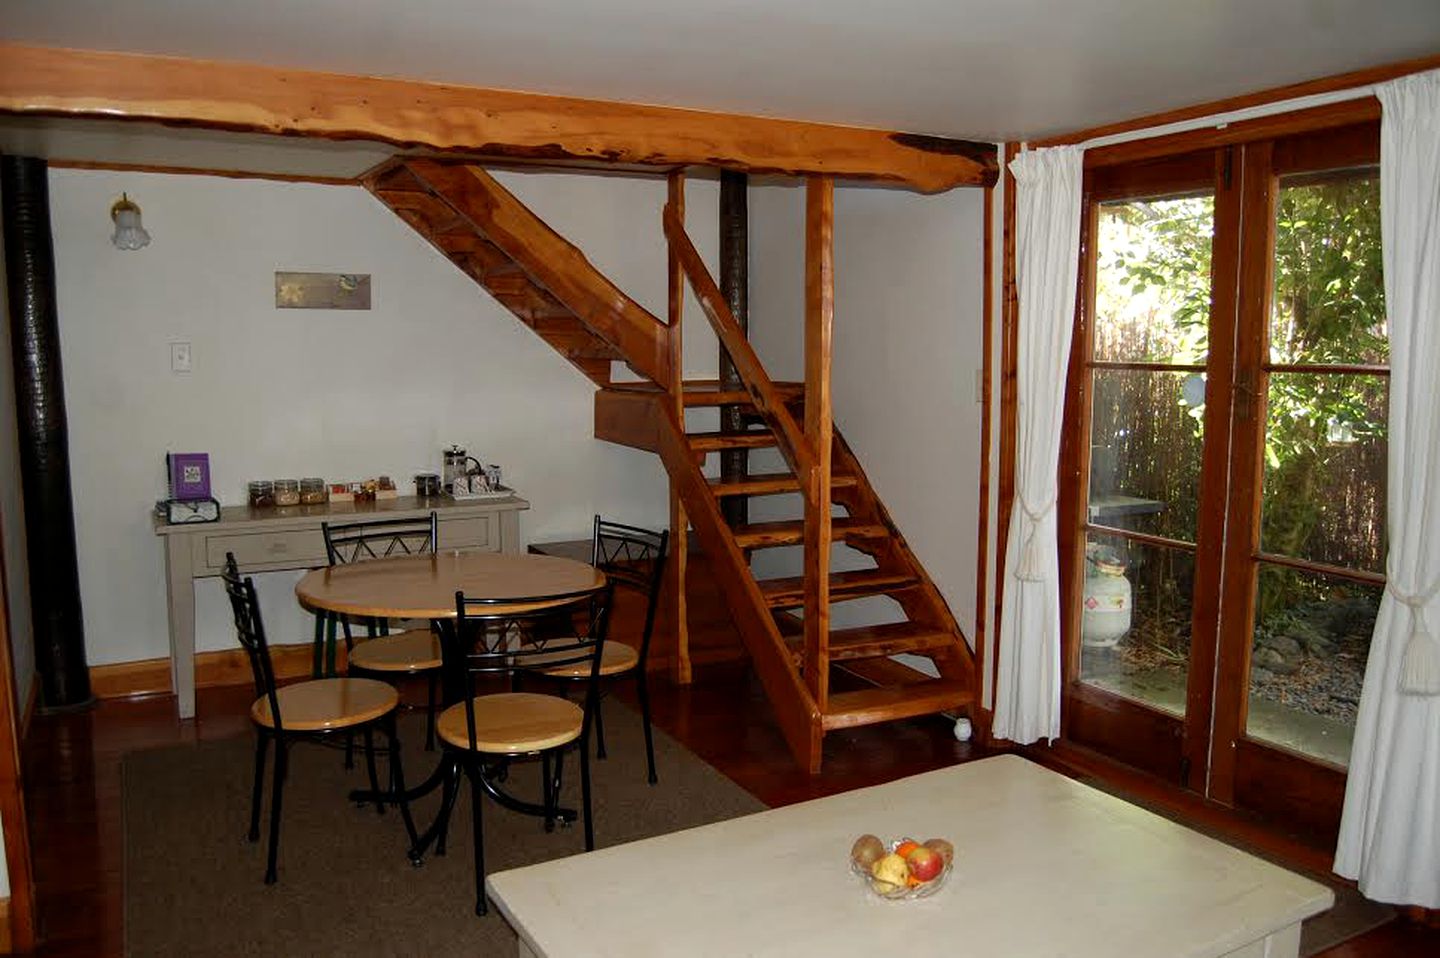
(292, 548)
(470, 533)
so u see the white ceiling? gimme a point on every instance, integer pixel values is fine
(980, 69)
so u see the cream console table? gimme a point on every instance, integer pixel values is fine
(1044, 867)
(288, 537)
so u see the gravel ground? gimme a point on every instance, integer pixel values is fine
(1321, 670)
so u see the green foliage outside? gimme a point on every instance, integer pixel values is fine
(1325, 446)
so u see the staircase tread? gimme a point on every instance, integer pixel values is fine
(874, 641)
(709, 392)
(769, 483)
(889, 702)
(789, 591)
(709, 441)
(792, 531)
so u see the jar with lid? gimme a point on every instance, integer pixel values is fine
(287, 492)
(262, 494)
(312, 492)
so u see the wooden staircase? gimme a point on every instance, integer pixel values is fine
(551, 287)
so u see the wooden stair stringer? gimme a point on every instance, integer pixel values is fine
(921, 603)
(552, 263)
(542, 279)
(799, 717)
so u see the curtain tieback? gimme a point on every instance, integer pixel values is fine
(1420, 662)
(1029, 570)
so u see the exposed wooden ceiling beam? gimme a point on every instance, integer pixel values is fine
(493, 123)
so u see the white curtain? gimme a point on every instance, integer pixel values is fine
(1390, 832)
(1047, 263)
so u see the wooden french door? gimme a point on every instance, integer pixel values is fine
(1222, 514)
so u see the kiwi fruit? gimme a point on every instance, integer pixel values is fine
(942, 848)
(866, 851)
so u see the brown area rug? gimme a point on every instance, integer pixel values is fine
(193, 884)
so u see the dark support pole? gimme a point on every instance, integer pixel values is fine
(735, 285)
(44, 439)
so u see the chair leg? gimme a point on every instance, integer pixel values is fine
(644, 693)
(317, 664)
(477, 817)
(546, 792)
(397, 778)
(585, 797)
(447, 808)
(330, 645)
(282, 761)
(370, 768)
(599, 731)
(430, 712)
(262, 745)
(349, 751)
(555, 782)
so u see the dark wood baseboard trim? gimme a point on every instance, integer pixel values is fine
(1144, 789)
(212, 669)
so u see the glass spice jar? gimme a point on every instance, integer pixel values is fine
(312, 492)
(287, 492)
(262, 494)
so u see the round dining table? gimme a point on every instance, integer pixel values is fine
(424, 587)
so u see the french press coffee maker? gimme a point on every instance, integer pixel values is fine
(457, 466)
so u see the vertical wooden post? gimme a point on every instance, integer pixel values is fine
(679, 524)
(819, 317)
(735, 285)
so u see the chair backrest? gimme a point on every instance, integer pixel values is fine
(379, 539)
(633, 557)
(486, 641)
(245, 606)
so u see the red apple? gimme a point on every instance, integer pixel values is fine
(924, 863)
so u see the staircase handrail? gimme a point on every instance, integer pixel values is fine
(761, 389)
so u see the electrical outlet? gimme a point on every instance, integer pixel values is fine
(179, 357)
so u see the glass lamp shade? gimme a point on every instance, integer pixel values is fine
(129, 234)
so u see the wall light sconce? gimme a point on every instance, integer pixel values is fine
(129, 234)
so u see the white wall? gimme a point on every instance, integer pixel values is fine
(908, 324)
(337, 394)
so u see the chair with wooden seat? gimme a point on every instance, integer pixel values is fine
(487, 727)
(310, 710)
(411, 651)
(632, 558)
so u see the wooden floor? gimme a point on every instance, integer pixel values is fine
(72, 773)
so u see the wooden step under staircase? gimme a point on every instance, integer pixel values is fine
(785, 622)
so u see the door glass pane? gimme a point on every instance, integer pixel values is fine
(1152, 282)
(1307, 661)
(1329, 297)
(1135, 628)
(1325, 462)
(1145, 450)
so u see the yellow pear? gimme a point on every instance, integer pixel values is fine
(891, 869)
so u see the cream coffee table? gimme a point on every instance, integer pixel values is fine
(1045, 867)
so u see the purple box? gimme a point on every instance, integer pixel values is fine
(189, 474)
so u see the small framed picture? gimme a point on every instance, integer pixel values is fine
(189, 474)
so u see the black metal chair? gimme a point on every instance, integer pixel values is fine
(305, 710)
(634, 558)
(483, 731)
(410, 652)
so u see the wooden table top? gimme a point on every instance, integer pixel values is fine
(424, 587)
(1044, 866)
